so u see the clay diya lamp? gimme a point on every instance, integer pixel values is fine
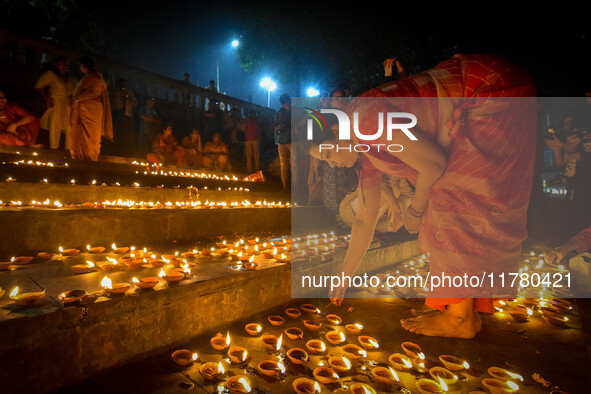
(503, 374)
(184, 357)
(268, 254)
(157, 263)
(312, 325)
(69, 252)
(281, 258)
(385, 375)
(305, 386)
(146, 283)
(428, 386)
(293, 313)
(354, 351)
(4, 265)
(496, 386)
(453, 363)
(95, 249)
(325, 375)
(368, 342)
(361, 388)
(557, 321)
(119, 250)
(297, 355)
(340, 364)
(276, 320)
(83, 268)
(220, 245)
(190, 254)
(119, 288)
(521, 317)
(21, 260)
(238, 384)
(413, 350)
(169, 257)
(443, 374)
(334, 319)
(224, 252)
(253, 329)
(207, 252)
(26, 299)
(219, 342)
(271, 342)
(355, 328)
(250, 265)
(294, 333)
(45, 255)
(253, 242)
(134, 263)
(271, 368)
(211, 370)
(72, 296)
(316, 346)
(400, 362)
(309, 308)
(238, 355)
(172, 276)
(335, 337)
(108, 265)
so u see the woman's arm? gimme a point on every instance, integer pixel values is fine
(361, 234)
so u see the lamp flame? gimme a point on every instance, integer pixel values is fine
(442, 384)
(14, 292)
(394, 375)
(279, 342)
(106, 283)
(245, 384)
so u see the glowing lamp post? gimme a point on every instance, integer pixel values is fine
(268, 84)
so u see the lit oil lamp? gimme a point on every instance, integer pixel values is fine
(316, 346)
(83, 268)
(361, 388)
(496, 386)
(557, 321)
(334, 319)
(297, 355)
(45, 255)
(325, 375)
(270, 341)
(26, 299)
(503, 374)
(453, 363)
(276, 320)
(385, 375)
(413, 350)
(294, 333)
(68, 252)
(119, 250)
(439, 373)
(269, 254)
(281, 258)
(224, 252)
(312, 325)
(108, 265)
(72, 296)
(355, 328)
(368, 342)
(211, 370)
(309, 308)
(335, 337)
(522, 316)
(114, 288)
(354, 351)
(190, 254)
(340, 364)
(207, 252)
(428, 386)
(400, 362)
(184, 357)
(4, 265)
(250, 264)
(146, 283)
(171, 276)
(21, 260)
(293, 313)
(305, 386)
(219, 342)
(221, 245)
(271, 368)
(95, 249)
(238, 355)
(253, 328)
(238, 384)
(134, 263)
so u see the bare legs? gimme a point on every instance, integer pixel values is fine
(457, 320)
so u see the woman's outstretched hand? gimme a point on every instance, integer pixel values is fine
(337, 295)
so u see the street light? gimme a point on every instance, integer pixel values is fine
(312, 92)
(268, 84)
(235, 43)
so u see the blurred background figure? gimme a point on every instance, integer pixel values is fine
(216, 154)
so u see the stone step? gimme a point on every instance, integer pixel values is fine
(116, 330)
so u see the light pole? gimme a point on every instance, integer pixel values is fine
(235, 43)
(268, 84)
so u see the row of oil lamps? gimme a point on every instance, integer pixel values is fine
(241, 251)
(412, 361)
(149, 204)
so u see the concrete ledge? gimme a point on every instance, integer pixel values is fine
(34, 230)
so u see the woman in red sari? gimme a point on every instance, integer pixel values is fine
(18, 127)
(91, 114)
(472, 170)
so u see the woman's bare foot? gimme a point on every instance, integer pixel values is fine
(457, 321)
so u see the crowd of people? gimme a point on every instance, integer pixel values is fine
(81, 114)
